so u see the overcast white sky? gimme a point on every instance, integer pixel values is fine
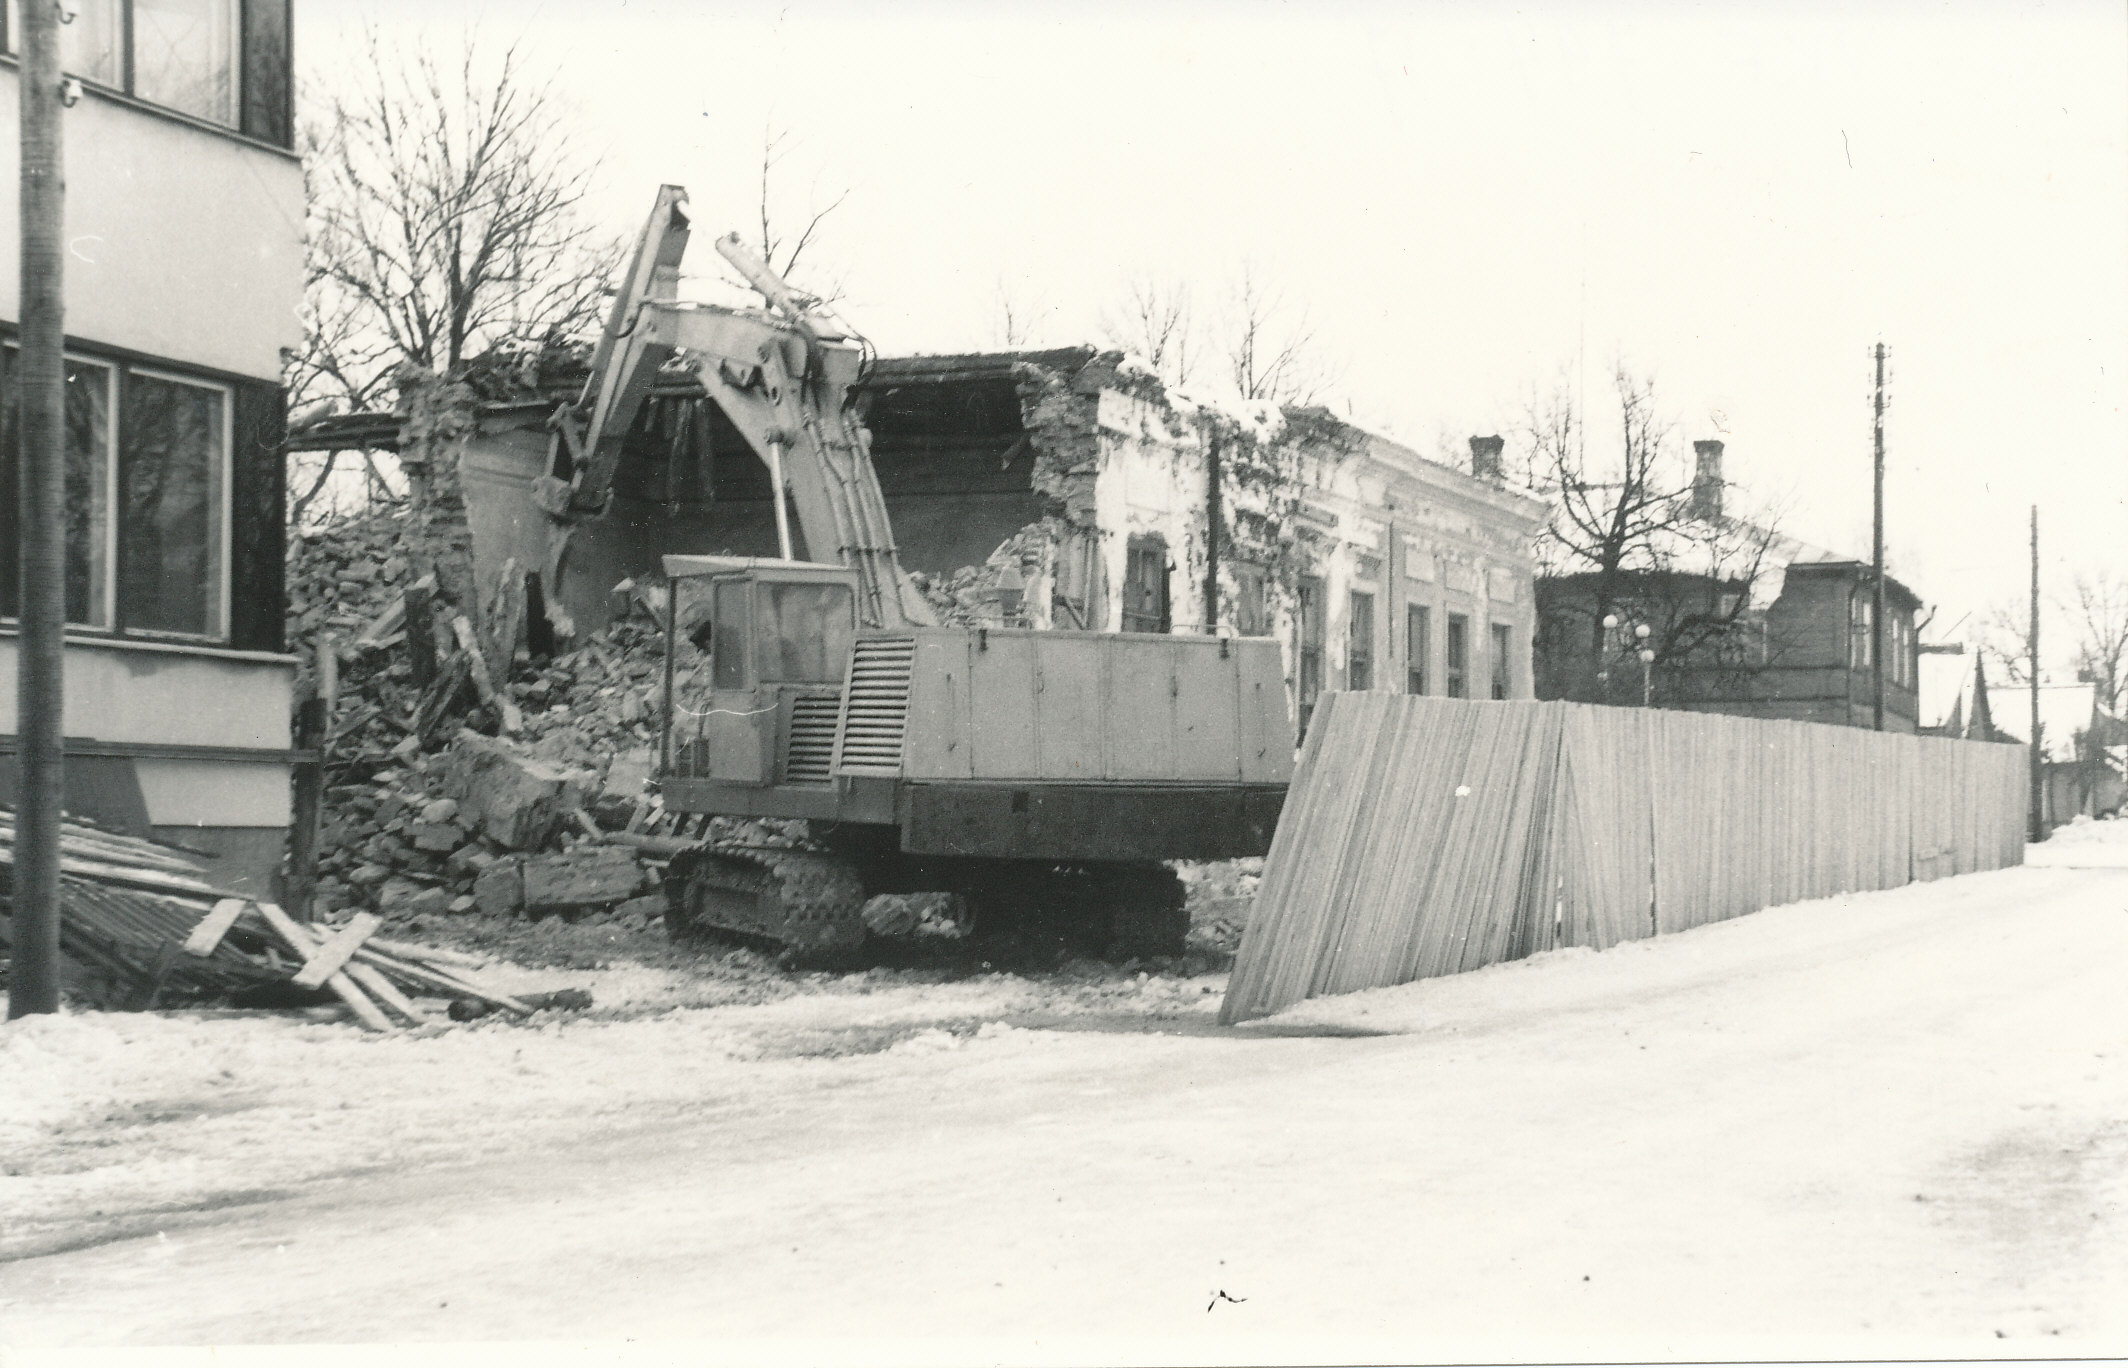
(1468, 200)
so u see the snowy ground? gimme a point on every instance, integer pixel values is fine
(1889, 1125)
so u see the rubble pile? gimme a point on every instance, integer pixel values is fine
(421, 820)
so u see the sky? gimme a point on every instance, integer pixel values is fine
(1471, 205)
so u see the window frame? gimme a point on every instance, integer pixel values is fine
(226, 607)
(1359, 640)
(1456, 668)
(1503, 643)
(1418, 631)
(264, 108)
(1252, 607)
(1309, 643)
(119, 371)
(1147, 550)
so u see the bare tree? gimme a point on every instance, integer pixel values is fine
(449, 254)
(1268, 351)
(2101, 617)
(1020, 314)
(780, 248)
(1153, 322)
(1631, 541)
(446, 221)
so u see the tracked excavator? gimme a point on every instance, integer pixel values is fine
(1042, 776)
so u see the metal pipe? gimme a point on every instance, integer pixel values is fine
(775, 480)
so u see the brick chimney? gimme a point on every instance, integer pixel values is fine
(1707, 480)
(1485, 457)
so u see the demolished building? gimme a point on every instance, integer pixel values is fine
(1063, 489)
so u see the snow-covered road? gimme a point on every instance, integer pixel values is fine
(1889, 1125)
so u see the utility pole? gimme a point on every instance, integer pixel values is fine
(1876, 618)
(2037, 831)
(39, 668)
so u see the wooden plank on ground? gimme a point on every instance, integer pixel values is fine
(337, 950)
(213, 927)
(299, 940)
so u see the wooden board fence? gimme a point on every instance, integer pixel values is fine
(1431, 836)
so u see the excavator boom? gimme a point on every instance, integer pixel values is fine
(784, 380)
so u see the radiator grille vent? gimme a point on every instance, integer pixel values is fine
(812, 743)
(878, 710)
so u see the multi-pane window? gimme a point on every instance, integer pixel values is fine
(223, 61)
(1145, 602)
(147, 499)
(1503, 649)
(1251, 613)
(1458, 656)
(1862, 615)
(1359, 643)
(1418, 645)
(1308, 631)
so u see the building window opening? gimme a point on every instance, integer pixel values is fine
(1359, 644)
(1503, 656)
(1308, 611)
(1145, 598)
(1418, 644)
(1458, 656)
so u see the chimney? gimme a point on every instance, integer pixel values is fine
(1707, 481)
(1485, 457)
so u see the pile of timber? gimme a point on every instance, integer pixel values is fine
(141, 928)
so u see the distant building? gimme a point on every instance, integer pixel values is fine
(184, 277)
(1069, 489)
(1741, 619)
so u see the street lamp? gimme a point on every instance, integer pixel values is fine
(1647, 665)
(1603, 660)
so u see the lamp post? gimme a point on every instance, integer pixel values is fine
(1647, 665)
(1603, 661)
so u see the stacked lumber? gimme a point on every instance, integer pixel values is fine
(1432, 836)
(142, 927)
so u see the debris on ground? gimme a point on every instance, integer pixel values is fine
(140, 928)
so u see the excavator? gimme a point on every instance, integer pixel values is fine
(1044, 777)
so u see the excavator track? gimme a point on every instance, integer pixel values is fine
(809, 902)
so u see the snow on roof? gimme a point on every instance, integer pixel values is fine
(1946, 687)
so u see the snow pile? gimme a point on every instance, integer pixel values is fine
(2083, 844)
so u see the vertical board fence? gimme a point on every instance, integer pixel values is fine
(1431, 836)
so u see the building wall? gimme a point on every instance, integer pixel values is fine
(1806, 674)
(185, 261)
(186, 242)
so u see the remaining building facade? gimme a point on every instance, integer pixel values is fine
(1739, 619)
(184, 214)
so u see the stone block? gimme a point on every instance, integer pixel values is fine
(440, 837)
(500, 889)
(590, 876)
(516, 801)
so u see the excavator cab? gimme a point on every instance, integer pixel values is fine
(759, 651)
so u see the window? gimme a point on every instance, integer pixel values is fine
(1503, 657)
(1359, 644)
(147, 503)
(223, 61)
(1458, 656)
(1418, 643)
(184, 56)
(729, 630)
(1859, 656)
(1308, 629)
(1145, 603)
(806, 632)
(1251, 616)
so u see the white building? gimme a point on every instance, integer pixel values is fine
(184, 275)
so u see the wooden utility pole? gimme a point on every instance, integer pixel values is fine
(1876, 619)
(40, 660)
(2038, 830)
